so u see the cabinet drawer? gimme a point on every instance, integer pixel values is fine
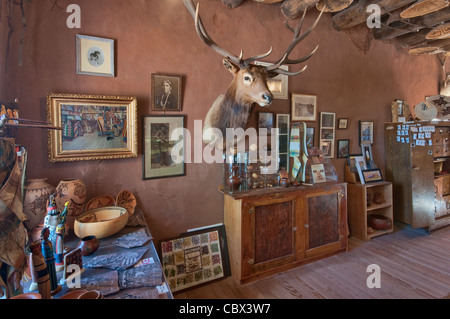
(442, 186)
(441, 150)
(441, 136)
(442, 206)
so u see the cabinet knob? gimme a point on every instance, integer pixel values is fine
(416, 167)
(251, 261)
(306, 226)
(295, 228)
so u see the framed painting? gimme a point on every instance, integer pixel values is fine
(365, 132)
(327, 132)
(163, 146)
(93, 127)
(372, 175)
(195, 258)
(166, 92)
(303, 107)
(343, 148)
(278, 85)
(95, 56)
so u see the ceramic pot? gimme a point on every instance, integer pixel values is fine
(37, 192)
(75, 294)
(88, 245)
(29, 295)
(379, 222)
(91, 294)
(74, 192)
(235, 181)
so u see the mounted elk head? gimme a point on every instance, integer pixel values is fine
(249, 84)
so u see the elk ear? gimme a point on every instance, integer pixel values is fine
(230, 66)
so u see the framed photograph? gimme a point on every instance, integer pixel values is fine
(365, 132)
(342, 124)
(283, 125)
(367, 153)
(372, 175)
(327, 133)
(360, 166)
(310, 136)
(166, 92)
(265, 121)
(277, 85)
(93, 127)
(163, 146)
(95, 56)
(303, 107)
(352, 161)
(343, 148)
(195, 258)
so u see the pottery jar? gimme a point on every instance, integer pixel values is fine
(88, 245)
(37, 192)
(74, 192)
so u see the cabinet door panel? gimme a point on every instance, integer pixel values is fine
(323, 220)
(422, 179)
(273, 231)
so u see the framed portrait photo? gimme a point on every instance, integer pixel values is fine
(95, 56)
(163, 146)
(365, 132)
(342, 124)
(93, 127)
(166, 92)
(303, 107)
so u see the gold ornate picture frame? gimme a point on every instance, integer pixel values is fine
(93, 127)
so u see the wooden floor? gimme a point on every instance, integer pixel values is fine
(414, 265)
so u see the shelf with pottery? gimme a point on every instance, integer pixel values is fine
(370, 209)
(113, 267)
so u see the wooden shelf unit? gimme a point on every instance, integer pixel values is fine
(359, 210)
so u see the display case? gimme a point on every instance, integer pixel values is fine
(243, 172)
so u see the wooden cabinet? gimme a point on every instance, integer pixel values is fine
(418, 164)
(367, 199)
(271, 230)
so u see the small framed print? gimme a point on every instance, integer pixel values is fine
(365, 132)
(95, 56)
(343, 148)
(303, 107)
(372, 175)
(166, 92)
(342, 124)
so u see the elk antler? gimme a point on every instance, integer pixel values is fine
(275, 67)
(194, 11)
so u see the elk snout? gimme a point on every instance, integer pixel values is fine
(267, 98)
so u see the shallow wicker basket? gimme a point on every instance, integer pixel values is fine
(101, 222)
